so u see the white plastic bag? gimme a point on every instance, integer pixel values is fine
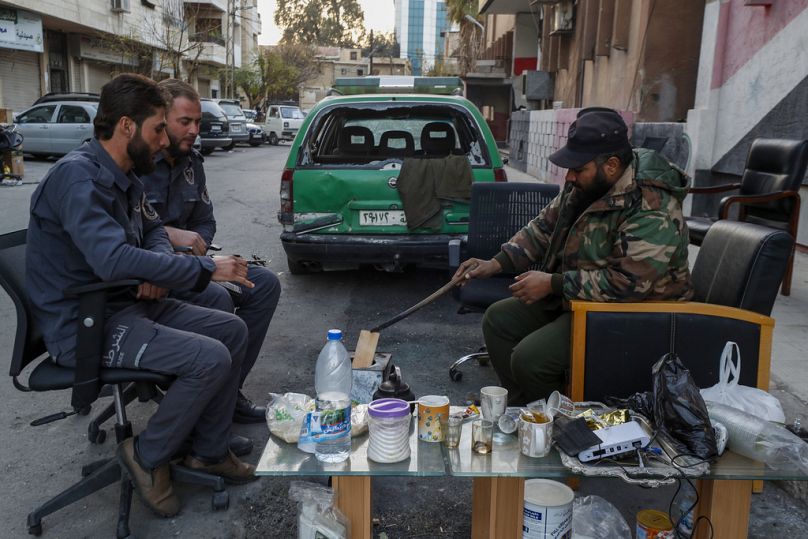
(285, 414)
(751, 400)
(595, 518)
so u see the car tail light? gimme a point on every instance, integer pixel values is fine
(499, 175)
(286, 191)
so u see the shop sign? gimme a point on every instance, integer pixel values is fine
(20, 30)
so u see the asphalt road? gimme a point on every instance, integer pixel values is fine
(39, 462)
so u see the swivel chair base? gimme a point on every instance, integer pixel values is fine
(482, 359)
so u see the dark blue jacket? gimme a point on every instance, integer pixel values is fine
(91, 222)
(179, 194)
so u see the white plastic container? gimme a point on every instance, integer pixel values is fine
(389, 425)
(547, 510)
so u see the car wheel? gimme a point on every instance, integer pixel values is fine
(273, 139)
(229, 147)
(206, 151)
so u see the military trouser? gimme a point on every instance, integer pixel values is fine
(255, 306)
(529, 347)
(203, 348)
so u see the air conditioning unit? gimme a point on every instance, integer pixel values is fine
(563, 17)
(120, 6)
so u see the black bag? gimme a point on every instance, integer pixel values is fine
(676, 407)
(9, 139)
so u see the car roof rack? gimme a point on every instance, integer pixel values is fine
(397, 84)
(68, 96)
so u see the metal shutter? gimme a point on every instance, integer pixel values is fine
(98, 74)
(19, 79)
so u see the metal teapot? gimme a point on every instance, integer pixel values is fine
(392, 386)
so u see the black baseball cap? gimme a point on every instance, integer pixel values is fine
(596, 130)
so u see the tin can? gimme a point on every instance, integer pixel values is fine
(653, 524)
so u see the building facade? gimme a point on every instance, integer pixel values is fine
(79, 45)
(420, 26)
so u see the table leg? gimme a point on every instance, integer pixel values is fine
(352, 493)
(726, 503)
(496, 507)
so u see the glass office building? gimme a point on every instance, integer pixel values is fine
(419, 28)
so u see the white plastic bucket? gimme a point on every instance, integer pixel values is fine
(547, 510)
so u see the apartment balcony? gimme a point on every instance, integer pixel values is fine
(213, 53)
(218, 5)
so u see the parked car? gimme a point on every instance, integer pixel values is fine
(250, 114)
(339, 200)
(257, 134)
(214, 128)
(55, 127)
(69, 96)
(283, 122)
(236, 119)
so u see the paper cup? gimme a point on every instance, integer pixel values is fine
(430, 410)
(560, 404)
(493, 401)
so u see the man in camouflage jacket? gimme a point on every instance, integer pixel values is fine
(615, 233)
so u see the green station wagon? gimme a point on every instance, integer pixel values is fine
(340, 203)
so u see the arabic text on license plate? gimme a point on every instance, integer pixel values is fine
(216, 128)
(381, 218)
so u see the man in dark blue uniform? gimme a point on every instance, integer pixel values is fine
(177, 190)
(90, 221)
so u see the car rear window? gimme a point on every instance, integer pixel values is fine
(231, 110)
(291, 113)
(373, 136)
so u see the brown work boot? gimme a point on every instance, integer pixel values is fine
(231, 469)
(153, 486)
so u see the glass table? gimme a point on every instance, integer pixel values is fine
(498, 481)
(351, 478)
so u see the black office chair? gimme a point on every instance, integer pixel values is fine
(768, 193)
(736, 276)
(48, 376)
(498, 211)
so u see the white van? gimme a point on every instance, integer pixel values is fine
(282, 122)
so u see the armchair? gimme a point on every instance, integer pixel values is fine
(736, 277)
(768, 193)
(497, 212)
(86, 381)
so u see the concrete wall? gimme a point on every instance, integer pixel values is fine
(628, 54)
(752, 82)
(536, 134)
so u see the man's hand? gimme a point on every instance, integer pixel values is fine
(531, 286)
(231, 268)
(187, 238)
(474, 268)
(150, 292)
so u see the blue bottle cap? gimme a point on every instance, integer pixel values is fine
(334, 334)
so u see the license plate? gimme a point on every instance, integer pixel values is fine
(215, 128)
(381, 218)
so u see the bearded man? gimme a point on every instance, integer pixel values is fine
(90, 222)
(616, 232)
(177, 190)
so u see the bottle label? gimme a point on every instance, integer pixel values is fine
(333, 424)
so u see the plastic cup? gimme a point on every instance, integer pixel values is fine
(560, 404)
(482, 436)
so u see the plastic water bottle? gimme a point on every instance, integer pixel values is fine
(332, 381)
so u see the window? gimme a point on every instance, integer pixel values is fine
(344, 71)
(292, 113)
(353, 55)
(72, 114)
(273, 112)
(360, 72)
(38, 115)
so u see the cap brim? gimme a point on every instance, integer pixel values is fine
(566, 158)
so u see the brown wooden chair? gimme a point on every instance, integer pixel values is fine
(614, 345)
(768, 193)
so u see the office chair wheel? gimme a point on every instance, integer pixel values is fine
(96, 435)
(35, 530)
(455, 375)
(220, 501)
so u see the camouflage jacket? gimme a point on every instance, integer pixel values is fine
(629, 245)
